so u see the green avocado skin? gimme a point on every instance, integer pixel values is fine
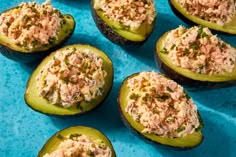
(110, 34)
(133, 128)
(58, 137)
(29, 57)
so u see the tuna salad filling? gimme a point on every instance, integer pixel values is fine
(72, 76)
(77, 145)
(198, 50)
(161, 106)
(31, 25)
(130, 13)
(216, 11)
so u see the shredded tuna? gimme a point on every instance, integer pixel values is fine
(31, 25)
(130, 13)
(71, 77)
(216, 11)
(81, 146)
(198, 50)
(161, 106)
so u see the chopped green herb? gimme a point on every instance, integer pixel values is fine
(65, 79)
(186, 51)
(173, 46)
(74, 49)
(24, 44)
(90, 153)
(171, 104)
(45, 12)
(146, 97)
(223, 45)
(198, 128)
(134, 96)
(164, 50)
(187, 96)
(165, 96)
(34, 43)
(194, 45)
(60, 136)
(201, 33)
(169, 89)
(74, 135)
(180, 129)
(157, 96)
(51, 40)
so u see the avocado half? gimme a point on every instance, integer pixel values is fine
(187, 77)
(52, 144)
(186, 142)
(117, 33)
(181, 12)
(42, 105)
(23, 55)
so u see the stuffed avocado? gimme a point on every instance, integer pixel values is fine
(78, 141)
(125, 23)
(71, 80)
(217, 15)
(30, 31)
(159, 110)
(196, 56)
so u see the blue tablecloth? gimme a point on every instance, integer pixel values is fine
(24, 131)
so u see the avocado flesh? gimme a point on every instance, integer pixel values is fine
(42, 105)
(52, 144)
(188, 141)
(229, 27)
(188, 73)
(137, 35)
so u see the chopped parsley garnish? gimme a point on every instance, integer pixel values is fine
(79, 106)
(198, 128)
(60, 136)
(194, 45)
(169, 89)
(201, 33)
(74, 135)
(180, 129)
(186, 51)
(34, 43)
(147, 97)
(134, 96)
(162, 97)
(24, 44)
(51, 40)
(171, 104)
(187, 96)
(173, 46)
(164, 50)
(90, 153)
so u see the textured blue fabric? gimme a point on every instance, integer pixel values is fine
(24, 131)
